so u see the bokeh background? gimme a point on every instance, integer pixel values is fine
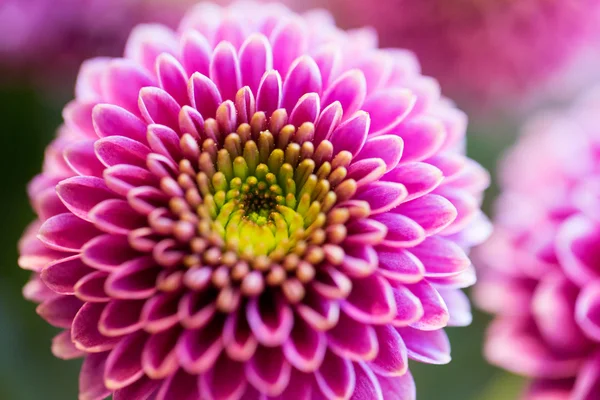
(30, 110)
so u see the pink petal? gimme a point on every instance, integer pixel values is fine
(418, 178)
(204, 95)
(441, 257)
(225, 70)
(62, 275)
(122, 82)
(122, 178)
(401, 231)
(226, 380)
(63, 347)
(112, 120)
(256, 58)
(400, 265)
(60, 311)
(159, 107)
(398, 388)
(289, 41)
(382, 196)
(195, 52)
(91, 383)
(431, 347)
(392, 359)
(385, 147)
(107, 252)
(306, 110)
(172, 78)
(135, 279)
(268, 371)
(268, 97)
(116, 216)
(367, 385)
(388, 108)
(123, 365)
(353, 340)
(351, 134)
(422, 138)
(328, 121)
(85, 333)
(142, 389)
(577, 249)
(66, 232)
(121, 317)
(305, 348)
(197, 350)
(180, 386)
(336, 378)
(350, 90)
(147, 41)
(159, 358)
(371, 300)
(81, 158)
(115, 150)
(304, 77)
(82, 193)
(271, 319)
(435, 312)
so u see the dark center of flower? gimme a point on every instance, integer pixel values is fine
(259, 207)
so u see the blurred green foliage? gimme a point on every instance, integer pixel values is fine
(28, 371)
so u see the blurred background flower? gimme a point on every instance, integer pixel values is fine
(487, 54)
(542, 268)
(30, 112)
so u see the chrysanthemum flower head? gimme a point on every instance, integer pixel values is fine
(543, 279)
(259, 205)
(487, 53)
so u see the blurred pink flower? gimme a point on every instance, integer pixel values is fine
(50, 38)
(542, 275)
(486, 53)
(249, 208)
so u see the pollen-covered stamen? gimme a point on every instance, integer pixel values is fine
(258, 205)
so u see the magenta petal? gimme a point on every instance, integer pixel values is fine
(577, 249)
(81, 158)
(160, 311)
(226, 380)
(135, 279)
(115, 150)
(180, 386)
(331, 283)
(195, 52)
(329, 60)
(398, 388)
(360, 260)
(90, 288)
(271, 319)
(432, 212)
(123, 178)
(256, 58)
(82, 193)
(587, 384)
(107, 252)
(268, 371)
(111, 120)
(306, 110)
(366, 171)
(159, 358)
(392, 358)
(410, 308)
(60, 311)
(240, 343)
(78, 117)
(351, 134)
(197, 350)
(435, 314)
(388, 108)
(320, 313)
(300, 387)
(123, 365)
(382, 196)
(225, 70)
(64, 348)
(91, 383)
(386, 147)
(400, 265)
(371, 300)
(85, 333)
(353, 340)
(328, 121)
(116, 217)
(87, 86)
(305, 348)
(62, 275)
(121, 317)
(336, 378)
(367, 385)
(401, 231)
(431, 347)
(147, 41)
(304, 77)
(159, 107)
(588, 310)
(441, 257)
(289, 41)
(142, 389)
(122, 82)
(66, 232)
(558, 327)
(268, 97)
(458, 305)
(172, 78)
(350, 90)
(422, 138)
(418, 178)
(363, 232)
(204, 95)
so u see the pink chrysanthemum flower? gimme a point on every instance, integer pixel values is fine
(260, 205)
(543, 279)
(485, 52)
(39, 37)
